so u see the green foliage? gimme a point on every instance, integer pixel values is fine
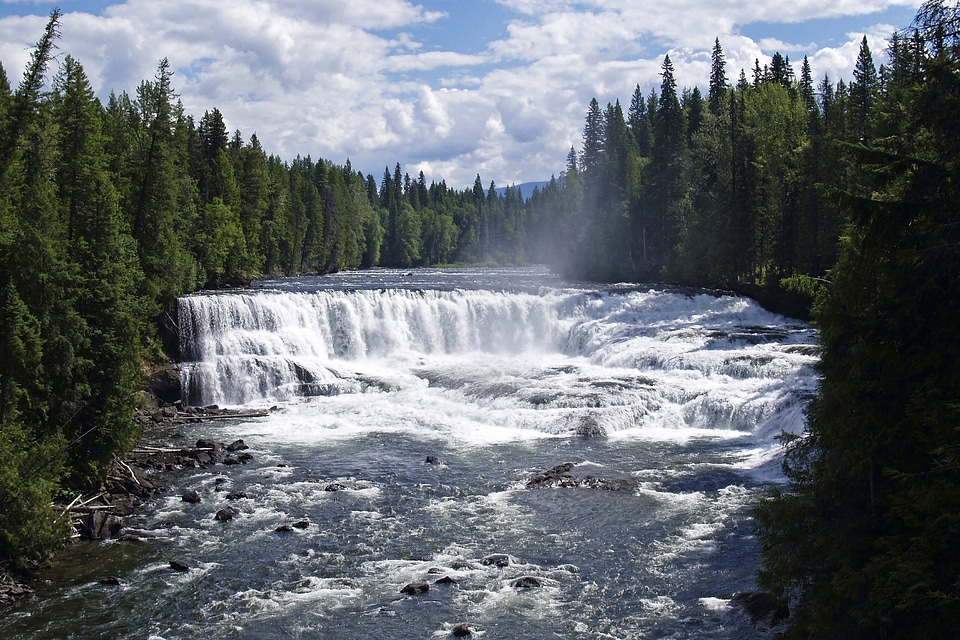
(29, 528)
(864, 542)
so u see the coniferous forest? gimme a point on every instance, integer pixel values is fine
(842, 194)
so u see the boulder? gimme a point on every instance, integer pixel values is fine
(334, 486)
(216, 449)
(176, 565)
(237, 445)
(496, 560)
(123, 505)
(562, 476)
(164, 384)
(526, 582)
(461, 631)
(225, 514)
(558, 476)
(100, 525)
(192, 497)
(415, 588)
(236, 495)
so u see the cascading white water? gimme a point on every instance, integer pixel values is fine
(243, 348)
(429, 400)
(656, 358)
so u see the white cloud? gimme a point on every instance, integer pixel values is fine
(358, 79)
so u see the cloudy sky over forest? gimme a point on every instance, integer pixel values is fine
(450, 87)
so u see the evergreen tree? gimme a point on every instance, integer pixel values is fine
(36, 322)
(152, 205)
(718, 80)
(864, 540)
(591, 154)
(863, 92)
(666, 174)
(106, 277)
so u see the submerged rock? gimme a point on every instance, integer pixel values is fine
(237, 445)
(527, 582)
(225, 514)
(176, 565)
(562, 476)
(496, 560)
(461, 631)
(415, 588)
(11, 591)
(589, 427)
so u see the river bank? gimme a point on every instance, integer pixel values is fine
(98, 513)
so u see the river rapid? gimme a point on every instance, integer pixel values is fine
(408, 412)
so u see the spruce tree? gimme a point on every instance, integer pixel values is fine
(718, 79)
(863, 93)
(105, 278)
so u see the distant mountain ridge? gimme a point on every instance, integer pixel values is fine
(526, 188)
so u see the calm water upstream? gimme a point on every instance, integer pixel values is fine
(496, 375)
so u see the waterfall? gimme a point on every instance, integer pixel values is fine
(627, 356)
(240, 347)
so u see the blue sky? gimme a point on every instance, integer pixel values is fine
(497, 88)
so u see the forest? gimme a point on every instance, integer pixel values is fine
(833, 198)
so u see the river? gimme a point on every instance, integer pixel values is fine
(408, 412)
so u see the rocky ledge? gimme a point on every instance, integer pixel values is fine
(562, 476)
(178, 413)
(99, 515)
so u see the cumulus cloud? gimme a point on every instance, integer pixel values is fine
(364, 80)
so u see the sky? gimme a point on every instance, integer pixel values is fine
(453, 88)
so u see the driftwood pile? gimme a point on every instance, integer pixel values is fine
(99, 515)
(178, 413)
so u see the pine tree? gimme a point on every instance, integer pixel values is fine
(591, 154)
(106, 275)
(718, 79)
(863, 92)
(151, 206)
(666, 171)
(36, 322)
